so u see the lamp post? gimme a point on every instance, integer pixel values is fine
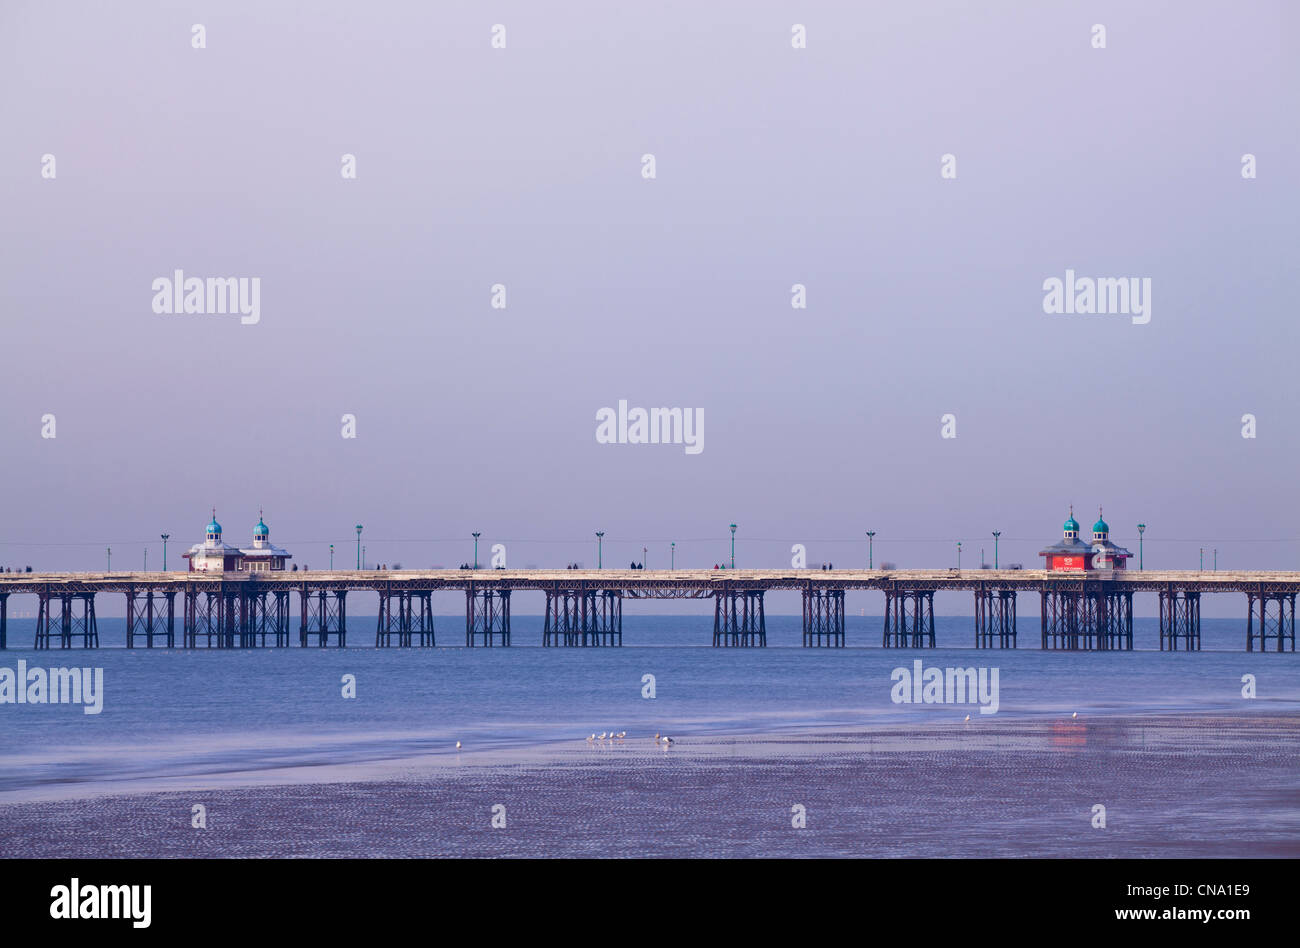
(146, 559)
(358, 546)
(733, 546)
(996, 534)
(165, 537)
(871, 549)
(672, 562)
(644, 551)
(331, 556)
(959, 554)
(1142, 528)
(1202, 566)
(600, 549)
(476, 536)
(109, 553)
(1216, 560)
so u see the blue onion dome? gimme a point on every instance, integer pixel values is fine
(1101, 526)
(261, 530)
(213, 526)
(1072, 524)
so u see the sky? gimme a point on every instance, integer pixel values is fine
(524, 167)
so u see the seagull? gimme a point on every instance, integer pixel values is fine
(1075, 715)
(667, 740)
(602, 735)
(968, 717)
(621, 735)
(458, 745)
(590, 739)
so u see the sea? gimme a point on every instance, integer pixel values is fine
(217, 717)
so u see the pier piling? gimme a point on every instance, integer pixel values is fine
(823, 617)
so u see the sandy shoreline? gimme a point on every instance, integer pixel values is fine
(1172, 785)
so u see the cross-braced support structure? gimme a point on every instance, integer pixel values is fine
(267, 614)
(1087, 616)
(909, 618)
(823, 617)
(66, 625)
(1275, 613)
(995, 618)
(1180, 620)
(405, 614)
(738, 618)
(487, 615)
(324, 615)
(582, 617)
(4, 620)
(151, 616)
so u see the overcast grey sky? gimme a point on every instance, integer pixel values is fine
(523, 166)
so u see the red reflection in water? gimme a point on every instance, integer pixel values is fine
(1069, 734)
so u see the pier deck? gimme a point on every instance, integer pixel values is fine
(1080, 610)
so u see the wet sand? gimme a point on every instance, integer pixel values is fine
(1185, 785)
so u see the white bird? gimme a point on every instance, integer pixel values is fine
(1075, 715)
(602, 735)
(667, 740)
(590, 739)
(458, 745)
(621, 735)
(968, 717)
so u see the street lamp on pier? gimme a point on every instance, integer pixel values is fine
(358, 546)
(1142, 528)
(996, 534)
(165, 538)
(600, 549)
(959, 554)
(733, 546)
(644, 551)
(476, 535)
(871, 549)
(672, 561)
(331, 556)
(108, 551)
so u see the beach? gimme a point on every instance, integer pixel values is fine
(1173, 785)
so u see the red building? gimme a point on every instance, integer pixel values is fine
(1073, 553)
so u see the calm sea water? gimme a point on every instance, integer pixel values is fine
(170, 713)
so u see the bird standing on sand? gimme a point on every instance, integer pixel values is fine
(621, 735)
(458, 745)
(1075, 715)
(602, 735)
(590, 739)
(968, 717)
(666, 740)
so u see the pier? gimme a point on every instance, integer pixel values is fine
(1081, 610)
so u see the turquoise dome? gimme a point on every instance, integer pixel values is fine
(1072, 524)
(214, 527)
(1101, 526)
(261, 530)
